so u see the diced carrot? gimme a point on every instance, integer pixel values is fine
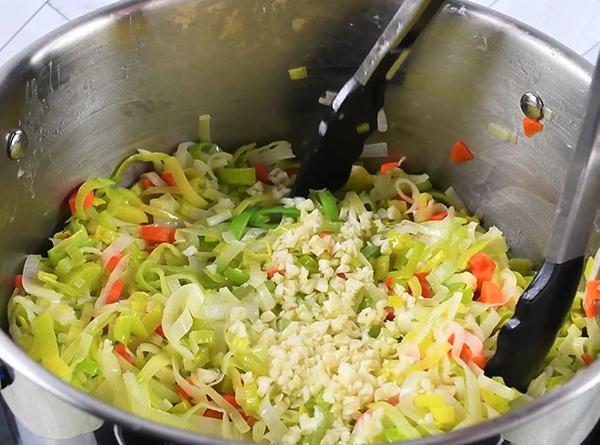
(482, 267)
(157, 234)
(159, 330)
(271, 271)
(438, 216)
(390, 314)
(389, 283)
(169, 178)
(468, 357)
(87, 201)
(394, 400)
(113, 261)
(531, 126)
(115, 292)
(183, 393)
(145, 183)
(587, 359)
(262, 173)
(231, 400)
(18, 283)
(122, 351)
(292, 171)
(461, 153)
(342, 275)
(386, 167)
(324, 234)
(426, 291)
(592, 295)
(213, 414)
(491, 293)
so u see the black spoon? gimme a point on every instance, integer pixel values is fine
(353, 114)
(524, 341)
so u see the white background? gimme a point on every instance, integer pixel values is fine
(576, 23)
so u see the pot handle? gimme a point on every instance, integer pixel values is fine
(7, 375)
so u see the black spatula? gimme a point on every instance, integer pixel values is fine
(524, 341)
(353, 115)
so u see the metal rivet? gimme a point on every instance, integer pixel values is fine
(532, 105)
(16, 144)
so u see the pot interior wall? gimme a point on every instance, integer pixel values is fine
(88, 96)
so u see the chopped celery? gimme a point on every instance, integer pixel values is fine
(236, 276)
(197, 150)
(125, 326)
(138, 157)
(87, 276)
(521, 265)
(381, 267)
(251, 399)
(202, 336)
(59, 251)
(240, 222)
(359, 179)
(88, 367)
(328, 205)
(365, 303)
(370, 251)
(236, 176)
(270, 217)
(309, 262)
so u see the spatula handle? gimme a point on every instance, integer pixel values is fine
(401, 32)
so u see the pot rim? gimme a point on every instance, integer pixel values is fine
(16, 358)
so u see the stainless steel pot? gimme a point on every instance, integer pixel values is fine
(139, 73)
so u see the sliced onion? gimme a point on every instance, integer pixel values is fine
(177, 319)
(413, 188)
(219, 218)
(272, 419)
(156, 180)
(327, 98)
(376, 150)
(382, 124)
(116, 274)
(473, 342)
(509, 288)
(32, 285)
(117, 246)
(183, 156)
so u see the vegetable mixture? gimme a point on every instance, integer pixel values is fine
(204, 298)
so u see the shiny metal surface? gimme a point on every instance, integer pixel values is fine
(139, 73)
(400, 25)
(578, 202)
(532, 105)
(16, 144)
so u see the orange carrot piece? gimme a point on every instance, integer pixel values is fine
(426, 291)
(113, 261)
(531, 126)
(115, 292)
(386, 167)
(438, 216)
(169, 179)
(262, 173)
(87, 201)
(592, 294)
(122, 351)
(461, 153)
(482, 267)
(491, 293)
